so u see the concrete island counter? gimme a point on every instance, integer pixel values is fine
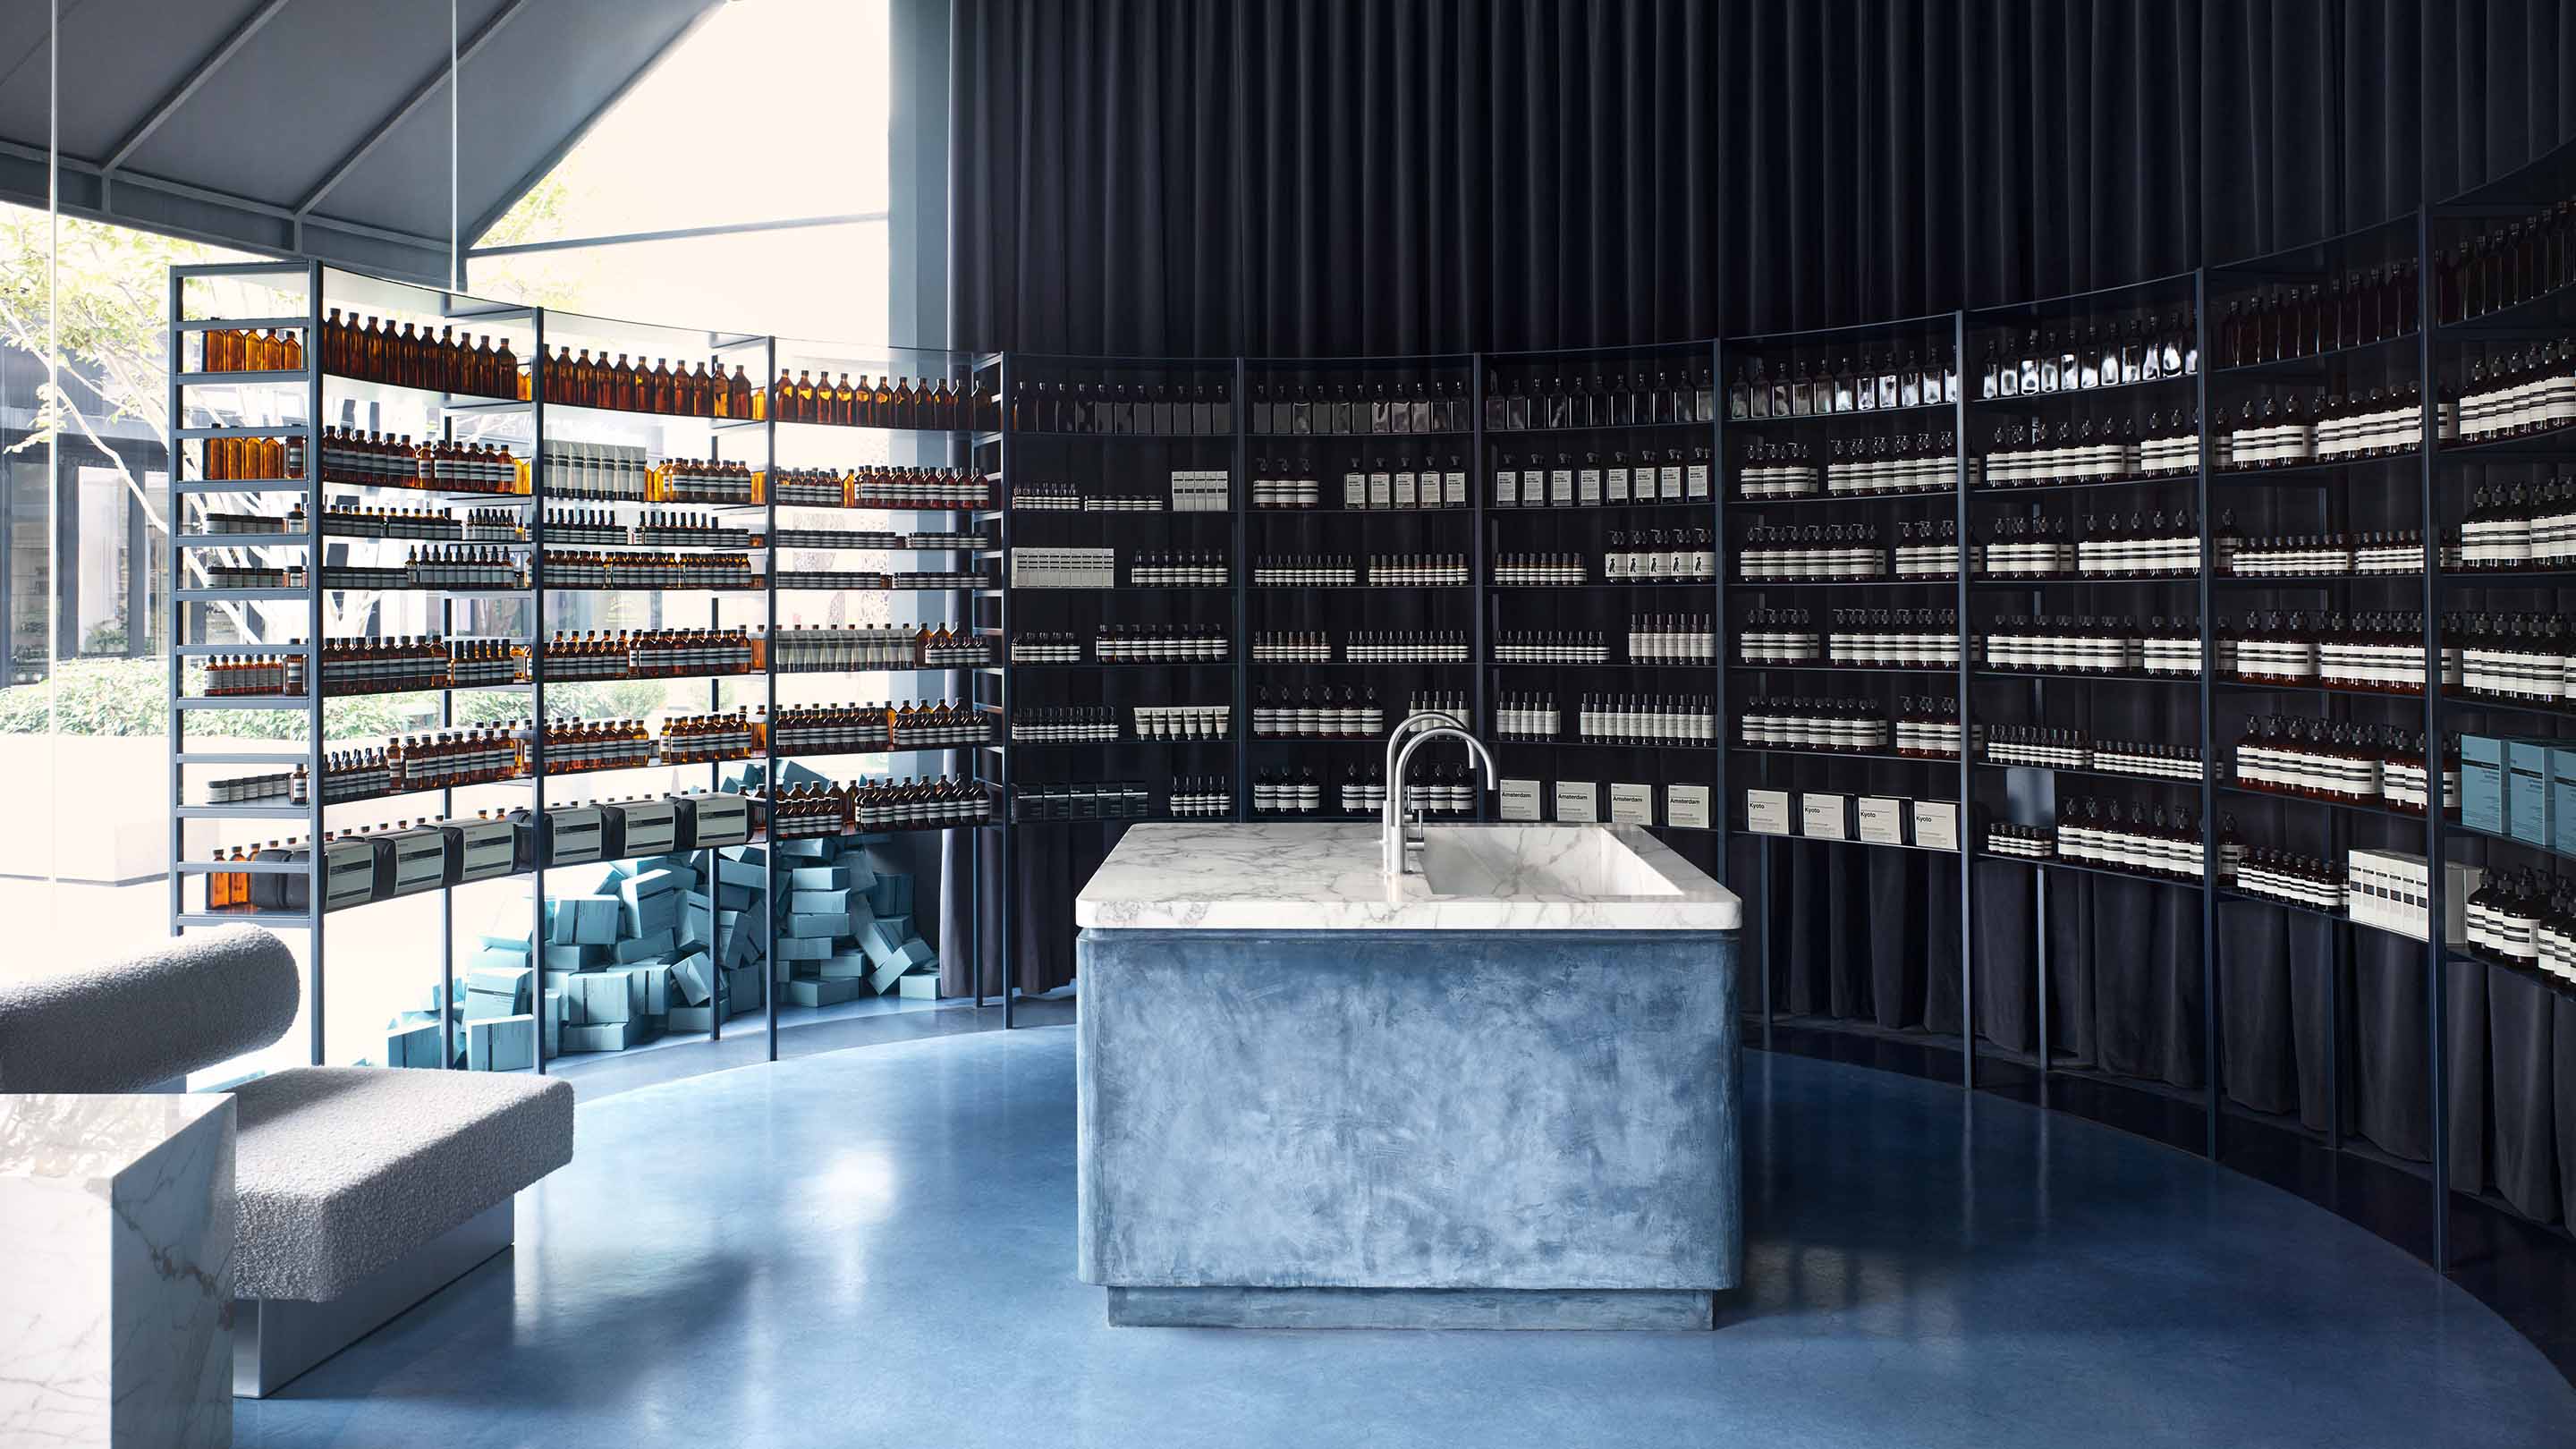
(1497, 1093)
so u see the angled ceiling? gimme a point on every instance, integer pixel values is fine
(315, 127)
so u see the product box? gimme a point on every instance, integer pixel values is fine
(1686, 807)
(1632, 804)
(2526, 784)
(484, 848)
(1823, 815)
(599, 1037)
(821, 991)
(1578, 802)
(1936, 824)
(2388, 889)
(713, 820)
(2562, 800)
(2482, 783)
(574, 834)
(1881, 819)
(649, 947)
(640, 827)
(1520, 800)
(417, 861)
(1766, 812)
(501, 1044)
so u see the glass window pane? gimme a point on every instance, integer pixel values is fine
(668, 156)
(825, 281)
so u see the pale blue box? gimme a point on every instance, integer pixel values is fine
(2526, 808)
(652, 947)
(501, 1044)
(2482, 791)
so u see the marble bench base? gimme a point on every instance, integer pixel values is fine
(275, 1339)
(1612, 1308)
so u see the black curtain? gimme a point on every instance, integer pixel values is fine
(1170, 177)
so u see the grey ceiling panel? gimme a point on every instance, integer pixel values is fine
(277, 119)
(531, 88)
(310, 105)
(151, 55)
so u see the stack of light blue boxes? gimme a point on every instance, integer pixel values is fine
(2521, 789)
(642, 947)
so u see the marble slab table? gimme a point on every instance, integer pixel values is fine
(116, 1301)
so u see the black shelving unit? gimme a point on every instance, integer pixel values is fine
(533, 429)
(1604, 449)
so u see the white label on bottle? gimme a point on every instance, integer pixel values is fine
(1507, 489)
(1520, 800)
(1672, 480)
(1381, 490)
(1355, 490)
(1614, 485)
(1576, 802)
(1587, 486)
(1632, 804)
(1456, 489)
(1560, 486)
(1407, 492)
(1698, 478)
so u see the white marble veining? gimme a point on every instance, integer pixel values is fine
(1325, 877)
(117, 1304)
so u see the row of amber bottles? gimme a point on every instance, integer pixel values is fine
(233, 675)
(653, 653)
(703, 392)
(254, 459)
(386, 460)
(896, 404)
(410, 357)
(243, 349)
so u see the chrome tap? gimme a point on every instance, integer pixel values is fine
(1396, 840)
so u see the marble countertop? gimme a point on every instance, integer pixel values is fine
(91, 1138)
(1225, 876)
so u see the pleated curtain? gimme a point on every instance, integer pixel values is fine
(1343, 177)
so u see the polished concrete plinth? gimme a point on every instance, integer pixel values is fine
(874, 1247)
(1542, 1111)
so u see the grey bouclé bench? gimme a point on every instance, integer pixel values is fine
(362, 1189)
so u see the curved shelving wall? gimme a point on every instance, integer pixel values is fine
(2135, 599)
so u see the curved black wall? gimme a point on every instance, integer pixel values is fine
(1164, 177)
(1167, 177)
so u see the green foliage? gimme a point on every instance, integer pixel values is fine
(129, 697)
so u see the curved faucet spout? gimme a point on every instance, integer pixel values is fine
(1417, 731)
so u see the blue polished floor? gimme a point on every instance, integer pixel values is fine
(876, 1246)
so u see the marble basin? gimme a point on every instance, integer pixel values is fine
(1537, 862)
